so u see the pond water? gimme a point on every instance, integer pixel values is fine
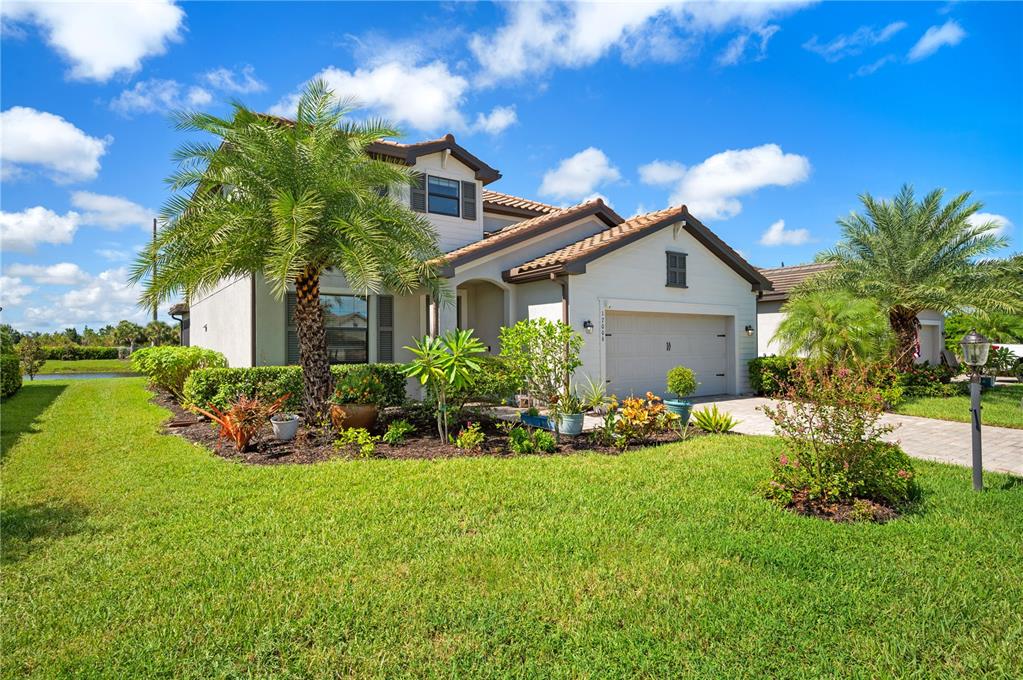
(79, 376)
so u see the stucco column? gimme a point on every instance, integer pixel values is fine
(447, 317)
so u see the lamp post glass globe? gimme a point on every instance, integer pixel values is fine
(975, 348)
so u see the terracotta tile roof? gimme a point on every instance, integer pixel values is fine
(784, 279)
(179, 308)
(599, 241)
(572, 258)
(532, 227)
(494, 201)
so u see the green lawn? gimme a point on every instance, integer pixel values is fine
(127, 553)
(87, 366)
(1002, 406)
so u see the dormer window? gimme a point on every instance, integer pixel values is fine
(442, 196)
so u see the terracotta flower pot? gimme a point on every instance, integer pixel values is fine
(353, 415)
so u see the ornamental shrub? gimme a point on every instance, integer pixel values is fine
(494, 383)
(72, 352)
(10, 374)
(220, 386)
(830, 424)
(767, 375)
(681, 381)
(925, 380)
(168, 367)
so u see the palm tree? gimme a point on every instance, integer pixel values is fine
(289, 200)
(162, 333)
(910, 255)
(832, 327)
(128, 333)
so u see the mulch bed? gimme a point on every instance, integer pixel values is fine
(312, 445)
(858, 510)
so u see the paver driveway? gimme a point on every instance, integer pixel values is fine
(941, 440)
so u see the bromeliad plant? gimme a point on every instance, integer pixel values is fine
(442, 364)
(243, 419)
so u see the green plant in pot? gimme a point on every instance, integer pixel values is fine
(571, 411)
(356, 400)
(681, 382)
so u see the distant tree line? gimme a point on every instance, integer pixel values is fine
(124, 334)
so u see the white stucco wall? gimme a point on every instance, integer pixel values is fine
(632, 279)
(495, 222)
(221, 319)
(769, 315)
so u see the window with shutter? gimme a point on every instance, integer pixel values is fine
(468, 200)
(417, 193)
(346, 320)
(676, 270)
(385, 328)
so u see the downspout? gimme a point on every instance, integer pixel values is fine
(252, 316)
(563, 282)
(181, 329)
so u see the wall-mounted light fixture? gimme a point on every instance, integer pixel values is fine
(749, 330)
(588, 326)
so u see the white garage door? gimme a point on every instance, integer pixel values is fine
(641, 348)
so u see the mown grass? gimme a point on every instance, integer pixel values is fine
(127, 553)
(86, 366)
(1001, 406)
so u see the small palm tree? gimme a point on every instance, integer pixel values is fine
(161, 333)
(910, 255)
(289, 200)
(833, 327)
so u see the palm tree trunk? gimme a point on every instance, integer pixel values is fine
(904, 325)
(312, 347)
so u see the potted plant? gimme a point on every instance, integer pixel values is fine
(681, 382)
(285, 426)
(532, 418)
(356, 400)
(571, 412)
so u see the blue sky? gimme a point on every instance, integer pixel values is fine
(766, 119)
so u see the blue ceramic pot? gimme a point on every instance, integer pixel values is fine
(535, 421)
(571, 424)
(680, 408)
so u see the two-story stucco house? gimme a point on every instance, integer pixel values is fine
(646, 293)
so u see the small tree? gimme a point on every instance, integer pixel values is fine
(832, 326)
(443, 364)
(544, 354)
(128, 333)
(681, 381)
(32, 356)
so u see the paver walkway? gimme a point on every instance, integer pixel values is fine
(941, 440)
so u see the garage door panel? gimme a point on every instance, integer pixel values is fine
(641, 348)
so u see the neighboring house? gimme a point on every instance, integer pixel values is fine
(647, 293)
(931, 332)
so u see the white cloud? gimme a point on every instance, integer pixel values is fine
(157, 95)
(60, 274)
(101, 39)
(661, 173)
(31, 137)
(113, 254)
(427, 97)
(853, 43)
(106, 298)
(736, 48)
(110, 212)
(950, 33)
(1001, 222)
(778, 235)
(497, 121)
(23, 231)
(244, 82)
(13, 291)
(579, 175)
(538, 37)
(871, 68)
(711, 189)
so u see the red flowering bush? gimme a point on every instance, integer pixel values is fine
(830, 421)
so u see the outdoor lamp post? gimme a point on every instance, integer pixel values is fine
(975, 349)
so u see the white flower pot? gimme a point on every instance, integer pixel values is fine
(285, 426)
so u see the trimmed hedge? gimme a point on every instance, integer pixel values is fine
(79, 352)
(168, 367)
(10, 375)
(767, 374)
(221, 386)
